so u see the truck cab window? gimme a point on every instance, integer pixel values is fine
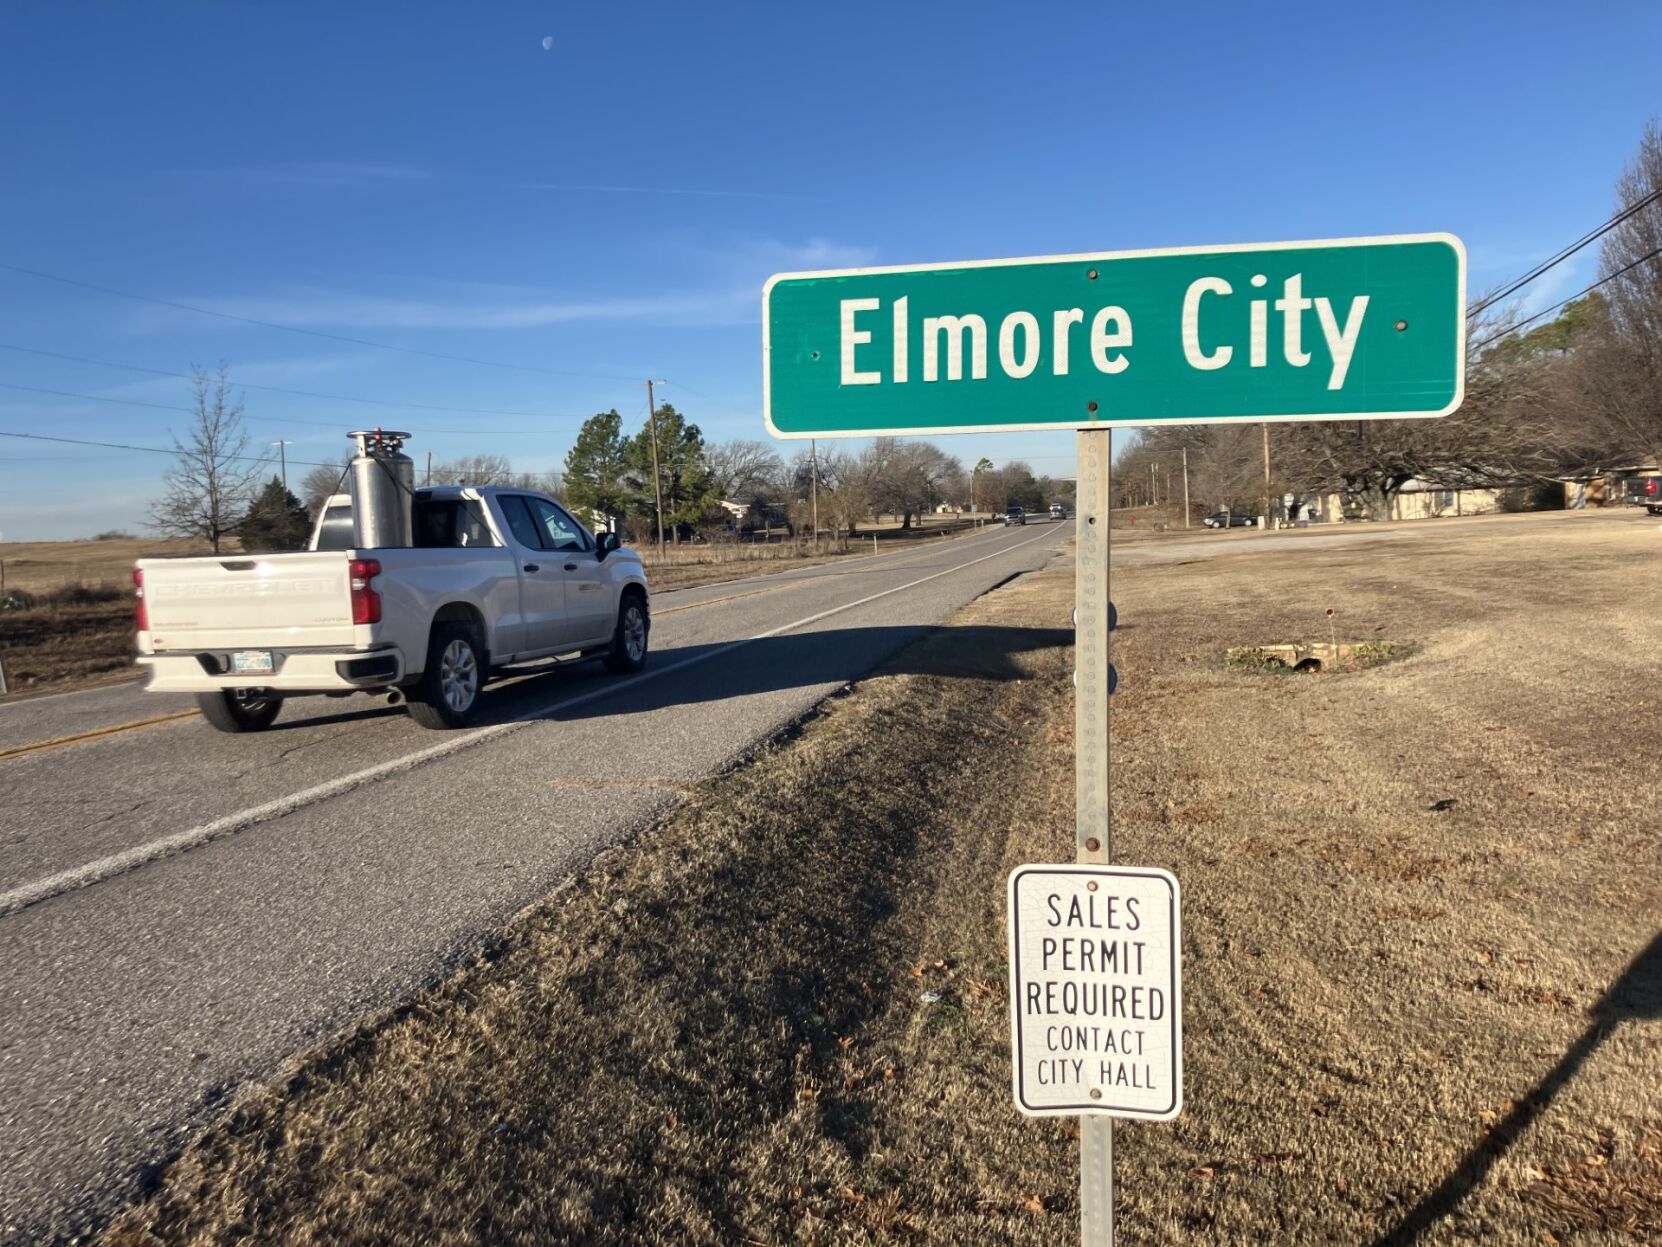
(450, 524)
(559, 530)
(520, 523)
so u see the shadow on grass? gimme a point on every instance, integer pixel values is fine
(1637, 994)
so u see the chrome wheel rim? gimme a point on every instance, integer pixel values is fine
(458, 675)
(634, 634)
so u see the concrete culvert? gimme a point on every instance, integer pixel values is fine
(1316, 657)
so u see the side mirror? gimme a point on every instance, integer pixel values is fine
(605, 543)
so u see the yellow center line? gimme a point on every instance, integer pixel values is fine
(733, 597)
(58, 742)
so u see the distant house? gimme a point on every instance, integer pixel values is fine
(1416, 500)
(738, 512)
(1424, 500)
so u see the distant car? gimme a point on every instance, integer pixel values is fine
(1223, 519)
(1015, 515)
(1058, 511)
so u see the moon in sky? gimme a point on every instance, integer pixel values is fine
(547, 43)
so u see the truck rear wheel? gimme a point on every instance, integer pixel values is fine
(239, 710)
(447, 695)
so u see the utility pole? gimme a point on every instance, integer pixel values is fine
(1153, 498)
(1266, 476)
(657, 477)
(283, 458)
(429, 479)
(813, 460)
(1185, 487)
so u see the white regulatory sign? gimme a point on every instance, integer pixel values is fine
(1096, 999)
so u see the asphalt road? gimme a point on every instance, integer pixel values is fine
(181, 911)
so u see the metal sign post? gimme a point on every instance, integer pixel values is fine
(1093, 823)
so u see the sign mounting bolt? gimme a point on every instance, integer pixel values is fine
(1092, 844)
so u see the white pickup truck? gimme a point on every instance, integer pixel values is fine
(495, 577)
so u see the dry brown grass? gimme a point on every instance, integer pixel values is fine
(40, 566)
(1403, 1026)
(67, 639)
(77, 629)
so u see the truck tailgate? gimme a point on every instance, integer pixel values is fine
(264, 601)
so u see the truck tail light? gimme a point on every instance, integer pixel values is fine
(141, 613)
(366, 603)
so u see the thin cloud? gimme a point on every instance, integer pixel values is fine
(669, 190)
(322, 309)
(718, 286)
(320, 174)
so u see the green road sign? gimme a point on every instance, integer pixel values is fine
(1345, 329)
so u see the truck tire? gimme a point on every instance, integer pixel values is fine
(627, 654)
(447, 695)
(230, 713)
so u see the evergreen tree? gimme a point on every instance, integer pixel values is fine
(689, 492)
(597, 469)
(276, 522)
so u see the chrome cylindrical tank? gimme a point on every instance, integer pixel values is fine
(382, 483)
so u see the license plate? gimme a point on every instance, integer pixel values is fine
(254, 661)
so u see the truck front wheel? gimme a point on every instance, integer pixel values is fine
(239, 710)
(447, 695)
(628, 650)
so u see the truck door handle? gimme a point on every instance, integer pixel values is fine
(532, 567)
(571, 567)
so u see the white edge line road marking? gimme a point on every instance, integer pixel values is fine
(166, 846)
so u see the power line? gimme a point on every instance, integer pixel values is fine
(149, 450)
(272, 389)
(311, 333)
(93, 398)
(1552, 262)
(326, 424)
(1513, 328)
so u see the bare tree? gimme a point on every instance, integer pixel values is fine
(322, 483)
(1618, 373)
(907, 478)
(551, 482)
(743, 469)
(474, 470)
(844, 493)
(213, 477)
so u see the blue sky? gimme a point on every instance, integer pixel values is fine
(429, 176)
